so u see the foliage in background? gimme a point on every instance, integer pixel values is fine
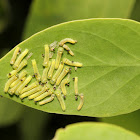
(95, 131)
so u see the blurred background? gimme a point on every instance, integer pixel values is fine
(21, 19)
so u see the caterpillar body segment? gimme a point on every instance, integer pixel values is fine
(38, 93)
(21, 87)
(47, 100)
(20, 78)
(57, 73)
(45, 94)
(9, 82)
(46, 58)
(51, 70)
(12, 73)
(45, 73)
(19, 59)
(60, 99)
(30, 92)
(69, 40)
(16, 52)
(58, 57)
(62, 75)
(68, 49)
(81, 102)
(72, 63)
(15, 87)
(22, 65)
(76, 87)
(53, 46)
(35, 69)
(33, 85)
(63, 83)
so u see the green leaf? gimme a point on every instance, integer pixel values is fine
(94, 131)
(47, 13)
(109, 78)
(32, 124)
(10, 112)
(129, 121)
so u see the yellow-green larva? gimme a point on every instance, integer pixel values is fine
(46, 57)
(38, 93)
(68, 49)
(30, 92)
(57, 73)
(51, 70)
(33, 85)
(21, 87)
(19, 59)
(62, 75)
(36, 72)
(16, 52)
(12, 73)
(81, 102)
(63, 83)
(69, 40)
(20, 76)
(58, 57)
(45, 73)
(45, 94)
(53, 45)
(9, 82)
(72, 63)
(13, 89)
(47, 100)
(60, 99)
(76, 87)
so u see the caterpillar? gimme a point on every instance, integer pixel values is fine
(51, 70)
(16, 52)
(20, 76)
(38, 93)
(69, 40)
(46, 58)
(30, 92)
(76, 87)
(53, 45)
(63, 83)
(9, 82)
(19, 59)
(13, 89)
(47, 100)
(60, 99)
(33, 85)
(62, 75)
(45, 94)
(81, 102)
(72, 63)
(58, 57)
(45, 73)
(35, 69)
(21, 87)
(68, 49)
(55, 76)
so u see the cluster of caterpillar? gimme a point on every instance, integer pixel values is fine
(50, 84)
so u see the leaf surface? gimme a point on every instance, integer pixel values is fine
(110, 76)
(95, 131)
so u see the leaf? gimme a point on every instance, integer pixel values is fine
(10, 112)
(128, 121)
(45, 13)
(32, 124)
(109, 79)
(95, 131)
